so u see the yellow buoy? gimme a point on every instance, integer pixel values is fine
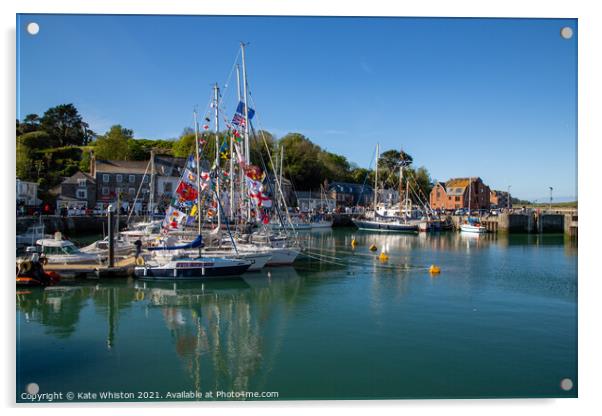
(373, 247)
(383, 257)
(434, 269)
(353, 243)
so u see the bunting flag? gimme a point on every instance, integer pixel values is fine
(254, 172)
(239, 116)
(256, 194)
(206, 181)
(224, 155)
(189, 177)
(191, 163)
(173, 218)
(186, 192)
(239, 158)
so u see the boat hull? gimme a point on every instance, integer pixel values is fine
(385, 226)
(197, 272)
(473, 229)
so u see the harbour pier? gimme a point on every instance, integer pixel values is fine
(528, 222)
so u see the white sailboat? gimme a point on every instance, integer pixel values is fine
(472, 225)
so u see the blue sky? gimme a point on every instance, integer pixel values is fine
(494, 98)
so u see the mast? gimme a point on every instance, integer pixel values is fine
(198, 173)
(376, 179)
(217, 181)
(231, 176)
(246, 134)
(407, 195)
(244, 89)
(400, 188)
(151, 201)
(469, 195)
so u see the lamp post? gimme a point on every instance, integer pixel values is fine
(551, 189)
(508, 198)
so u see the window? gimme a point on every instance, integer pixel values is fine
(132, 192)
(119, 178)
(81, 194)
(105, 178)
(105, 190)
(117, 191)
(146, 179)
(457, 198)
(81, 183)
(438, 194)
(132, 178)
(167, 188)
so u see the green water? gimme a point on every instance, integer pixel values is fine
(499, 321)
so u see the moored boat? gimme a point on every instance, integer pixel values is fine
(187, 268)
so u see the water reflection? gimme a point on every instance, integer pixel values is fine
(231, 334)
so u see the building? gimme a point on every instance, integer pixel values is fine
(27, 194)
(500, 199)
(350, 194)
(77, 192)
(453, 194)
(314, 202)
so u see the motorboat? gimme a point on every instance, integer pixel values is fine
(473, 226)
(58, 251)
(31, 235)
(121, 247)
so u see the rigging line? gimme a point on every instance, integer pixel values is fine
(276, 178)
(365, 180)
(138, 193)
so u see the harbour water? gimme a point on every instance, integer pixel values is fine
(500, 320)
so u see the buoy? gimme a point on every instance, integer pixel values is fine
(434, 269)
(373, 247)
(139, 261)
(383, 257)
(353, 243)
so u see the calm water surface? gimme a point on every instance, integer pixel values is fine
(499, 321)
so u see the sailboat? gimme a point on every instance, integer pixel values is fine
(472, 225)
(374, 221)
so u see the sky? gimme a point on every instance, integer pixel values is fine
(494, 98)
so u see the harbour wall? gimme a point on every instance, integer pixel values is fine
(76, 225)
(529, 222)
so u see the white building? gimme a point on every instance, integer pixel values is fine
(27, 193)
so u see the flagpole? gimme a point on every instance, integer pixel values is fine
(198, 173)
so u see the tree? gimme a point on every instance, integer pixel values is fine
(30, 123)
(336, 167)
(113, 145)
(65, 125)
(301, 161)
(257, 148)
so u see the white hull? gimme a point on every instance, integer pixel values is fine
(283, 256)
(474, 229)
(321, 224)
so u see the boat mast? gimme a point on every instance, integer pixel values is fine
(400, 188)
(232, 149)
(376, 179)
(407, 199)
(246, 134)
(469, 192)
(151, 201)
(198, 173)
(217, 181)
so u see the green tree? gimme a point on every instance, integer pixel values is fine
(301, 161)
(113, 145)
(30, 123)
(257, 148)
(65, 125)
(335, 167)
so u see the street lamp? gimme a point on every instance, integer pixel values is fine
(551, 189)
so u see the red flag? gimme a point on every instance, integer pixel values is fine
(186, 192)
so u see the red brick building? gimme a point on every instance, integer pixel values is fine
(500, 199)
(453, 194)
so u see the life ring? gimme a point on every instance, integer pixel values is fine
(139, 261)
